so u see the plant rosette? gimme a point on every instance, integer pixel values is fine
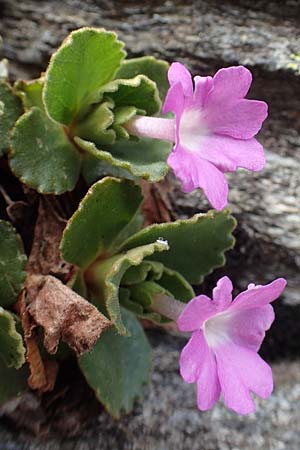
(96, 117)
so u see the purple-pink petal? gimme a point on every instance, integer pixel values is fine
(203, 86)
(191, 357)
(215, 129)
(174, 101)
(178, 73)
(195, 172)
(248, 326)
(195, 313)
(228, 154)
(235, 393)
(198, 364)
(240, 119)
(208, 385)
(240, 371)
(222, 293)
(259, 296)
(230, 83)
(221, 356)
(256, 373)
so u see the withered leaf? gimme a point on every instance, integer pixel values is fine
(45, 256)
(42, 372)
(66, 315)
(156, 205)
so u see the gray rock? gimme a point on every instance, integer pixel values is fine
(205, 36)
(258, 35)
(167, 418)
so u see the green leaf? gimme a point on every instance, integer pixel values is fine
(94, 169)
(155, 69)
(197, 245)
(139, 311)
(30, 92)
(145, 285)
(95, 126)
(150, 270)
(107, 215)
(12, 109)
(145, 158)
(125, 301)
(78, 284)
(177, 285)
(12, 351)
(13, 382)
(86, 61)
(143, 293)
(106, 277)
(42, 155)
(118, 367)
(140, 92)
(12, 264)
(122, 115)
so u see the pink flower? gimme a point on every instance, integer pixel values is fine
(215, 129)
(221, 355)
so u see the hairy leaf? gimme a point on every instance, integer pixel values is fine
(106, 277)
(86, 61)
(93, 169)
(12, 264)
(30, 92)
(118, 366)
(177, 285)
(150, 270)
(145, 158)
(12, 351)
(107, 215)
(95, 126)
(42, 155)
(140, 92)
(143, 287)
(143, 293)
(155, 69)
(11, 110)
(197, 245)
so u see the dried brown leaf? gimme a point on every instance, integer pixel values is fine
(66, 315)
(156, 205)
(42, 372)
(45, 256)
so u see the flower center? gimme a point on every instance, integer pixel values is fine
(192, 129)
(216, 329)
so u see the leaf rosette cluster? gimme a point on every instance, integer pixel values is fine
(74, 115)
(67, 125)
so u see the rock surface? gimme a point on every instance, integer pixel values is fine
(168, 419)
(205, 36)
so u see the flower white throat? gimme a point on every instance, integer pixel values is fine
(216, 329)
(192, 129)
